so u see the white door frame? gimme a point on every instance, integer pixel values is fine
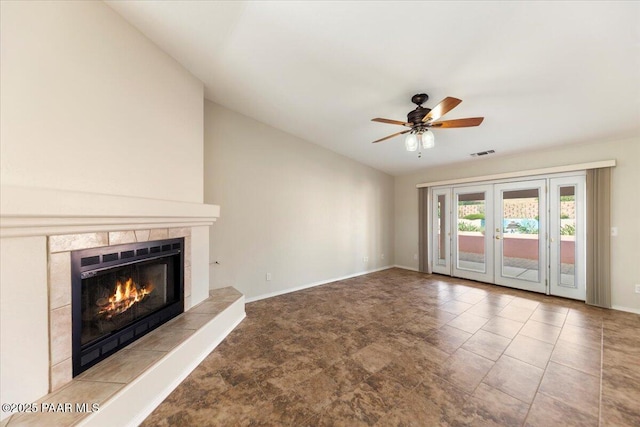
(438, 265)
(458, 269)
(577, 289)
(521, 276)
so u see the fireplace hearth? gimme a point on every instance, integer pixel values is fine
(120, 293)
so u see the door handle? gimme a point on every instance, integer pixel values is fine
(497, 237)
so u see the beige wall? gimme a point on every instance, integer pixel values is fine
(90, 104)
(289, 208)
(625, 205)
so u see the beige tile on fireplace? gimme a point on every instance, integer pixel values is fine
(60, 329)
(59, 280)
(179, 232)
(75, 242)
(60, 334)
(162, 339)
(77, 392)
(159, 234)
(189, 320)
(142, 235)
(121, 237)
(122, 367)
(187, 279)
(61, 374)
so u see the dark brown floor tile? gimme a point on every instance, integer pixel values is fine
(374, 357)
(390, 389)
(299, 359)
(406, 370)
(519, 314)
(447, 338)
(318, 391)
(362, 406)
(546, 411)
(455, 307)
(554, 318)
(528, 303)
(585, 359)
(499, 299)
(487, 344)
(438, 316)
(465, 370)
(490, 407)
(586, 317)
(587, 337)
(558, 306)
(502, 326)
(516, 378)
(484, 309)
(540, 331)
(530, 350)
(468, 322)
(577, 389)
(620, 407)
(448, 398)
(470, 297)
(288, 409)
(346, 373)
(285, 377)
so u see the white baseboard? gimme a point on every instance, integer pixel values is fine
(406, 268)
(311, 285)
(627, 309)
(167, 374)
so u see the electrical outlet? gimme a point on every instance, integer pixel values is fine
(614, 231)
(415, 256)
(637, 289)
(268, 276)
(365, 259)
(381, 256)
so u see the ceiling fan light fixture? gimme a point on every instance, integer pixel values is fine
(411, 142)
(427, 139)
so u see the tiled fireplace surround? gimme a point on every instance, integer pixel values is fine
(59, 285)
(39, 228)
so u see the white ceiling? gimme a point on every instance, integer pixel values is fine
(541, 73)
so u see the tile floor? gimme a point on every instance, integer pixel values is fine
(399, 348)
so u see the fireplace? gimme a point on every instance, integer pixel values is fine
(120, 293)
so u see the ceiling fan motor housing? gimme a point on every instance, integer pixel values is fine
(416, 116)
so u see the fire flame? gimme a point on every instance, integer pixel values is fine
(124, 297)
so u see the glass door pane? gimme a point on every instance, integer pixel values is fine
(441, 231)
(473, 252)
(520, 242)
(566, 237)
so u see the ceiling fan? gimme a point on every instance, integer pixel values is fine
(421, 119)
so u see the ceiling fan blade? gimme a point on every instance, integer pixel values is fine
(442, 108)
(391, 122)
(458, 123)
(391, 136)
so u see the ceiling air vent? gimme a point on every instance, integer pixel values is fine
(482, 153)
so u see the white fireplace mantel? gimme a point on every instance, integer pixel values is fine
(28, 211)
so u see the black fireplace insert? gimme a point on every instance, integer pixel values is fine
(120, 293)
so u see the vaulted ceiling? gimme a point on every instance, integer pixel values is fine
(541, 73)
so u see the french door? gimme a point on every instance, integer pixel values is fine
(520, 235)
(472, 246)
(567, 275)
(527, 234)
